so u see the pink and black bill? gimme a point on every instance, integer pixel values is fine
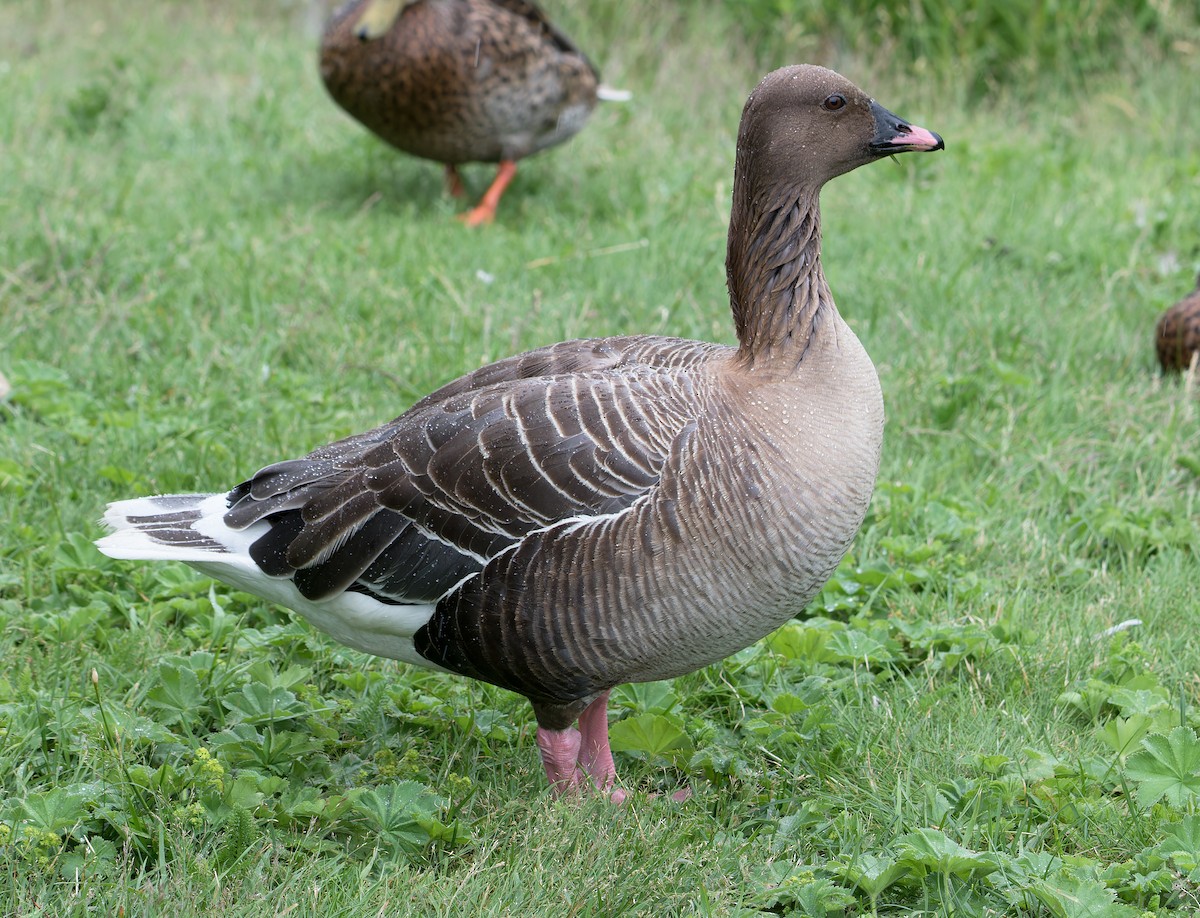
(895, 135)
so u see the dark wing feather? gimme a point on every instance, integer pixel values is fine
(407, 510)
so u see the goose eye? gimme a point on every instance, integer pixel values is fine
(834, 103)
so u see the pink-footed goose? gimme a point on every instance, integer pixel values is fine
(598, 511)
(460, 81)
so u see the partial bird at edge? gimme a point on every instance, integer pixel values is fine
(1177, 334)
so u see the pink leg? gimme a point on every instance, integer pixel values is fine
(560, 753)
(570, 755)
(595, 756)
(485, 212)
(454, 183)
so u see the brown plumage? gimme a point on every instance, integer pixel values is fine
(459, 81)
(1177, 335)
(600, 511)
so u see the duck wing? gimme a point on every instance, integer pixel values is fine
(534, 15)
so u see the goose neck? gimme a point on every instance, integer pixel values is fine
(777, 289)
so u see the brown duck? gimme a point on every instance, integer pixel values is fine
(599, 511)
(460, 81)
(1177, 335)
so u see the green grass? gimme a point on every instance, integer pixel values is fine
(984, 46)
(205, 267)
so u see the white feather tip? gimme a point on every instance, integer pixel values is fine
(608, 94)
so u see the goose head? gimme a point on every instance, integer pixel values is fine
(809, 124)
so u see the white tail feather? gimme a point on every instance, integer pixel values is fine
(135, 541)
(609, 94)
(355, 619)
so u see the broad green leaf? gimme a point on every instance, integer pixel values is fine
(931, 851)
(1034, 865)
(357, 680)
(242, 744)
(166, 779)
(798, 889)
(1122, 734)
(718, 763)
(55, 810)
(992, 763)
(1139, 701)
(796, 828)
(1181, 843)
(1070, 897)
(872, 873)
(821, 897)
(1090, 699)
(403, 814)
(803, 697)
(70, 624)
(281, 748)
(789, 703)
(288, 678)
(244, 792)
(260, 704)
(488, 723)
(177, 693)
(652, 734)
(858, 647)
(841, 594)
(908, 549)
(130, 726)
(201, 662)
(646, 697)
(93, 857)
(177, 580)
(796, 641)
(391, 807)
(302, 804)
(881, 576)
(236, 744)
(1167, 766)
(76, 552)
(1038, 765)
